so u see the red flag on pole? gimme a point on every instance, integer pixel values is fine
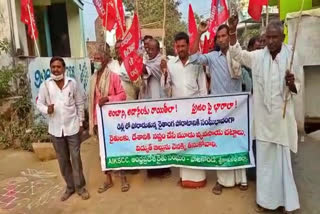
(121, 21)
(205, 48)
(101, 7)
(192, 28)
(27, 17)
(255, 8)
(133, 62)
(219, 14)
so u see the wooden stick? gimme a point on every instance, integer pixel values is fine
(118, 17)
(32, 31)
(105, 29)
(164, 27)
(267, 16)
(292, 56)
(137, 7)
(38, 53)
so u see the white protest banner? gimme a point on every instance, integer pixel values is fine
(205, 132)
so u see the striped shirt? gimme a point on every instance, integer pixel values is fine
(221, 81)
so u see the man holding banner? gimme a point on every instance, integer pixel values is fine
(185, 79)
(151, 88)
(105, 87)
(276, 135)
(225, 79)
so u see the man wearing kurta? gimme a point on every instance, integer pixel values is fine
(182, 78)
(105, 86)
(273, 85)
(225, 79)
(151, 89)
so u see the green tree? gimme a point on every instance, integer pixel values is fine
(151, 11)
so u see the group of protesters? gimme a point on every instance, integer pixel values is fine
(262, 70)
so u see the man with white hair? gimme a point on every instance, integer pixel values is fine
(273, 86)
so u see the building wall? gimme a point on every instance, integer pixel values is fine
(312, 88)
(77, 43)
(5, 59)
(307, 54)
(21, 29)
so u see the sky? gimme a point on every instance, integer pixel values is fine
(201, 7)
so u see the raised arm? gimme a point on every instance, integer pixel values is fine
(242, 56)
(202, 28)
(196, 57)
(166, 83)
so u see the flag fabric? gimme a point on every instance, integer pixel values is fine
(192, 27)
(219, 14)
(27, 17)
(121, 21)
(255, 8)
(133, 62)
(205, 48)
(101, 7)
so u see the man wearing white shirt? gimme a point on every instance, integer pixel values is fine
(60, 99)
(276, 134)
(182, 78)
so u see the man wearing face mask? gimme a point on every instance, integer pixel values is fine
(60, 99)
(105, 86)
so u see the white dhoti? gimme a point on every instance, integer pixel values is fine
(192, 178)
(275, 182)
(230, 178)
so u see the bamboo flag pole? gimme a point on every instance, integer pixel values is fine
(267, 16)
(38, 52)
(292, 56)
(164, 27)
(105, 29)
(137, 7)
(118, 17)
(32, 31)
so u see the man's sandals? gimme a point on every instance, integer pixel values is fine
(217, 189)
(260, 209)
(125, 186)
(105, 187)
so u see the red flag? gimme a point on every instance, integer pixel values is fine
(27, 17)
(121, 21)
(219, 14)
(255, 8)
(133, 62)
(192, 29)
(101, 6)
(205, 48)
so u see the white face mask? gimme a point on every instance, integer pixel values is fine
(57, 78)
(97, 65)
